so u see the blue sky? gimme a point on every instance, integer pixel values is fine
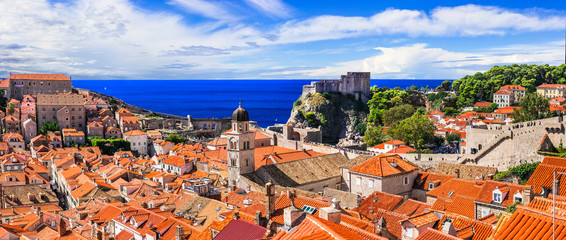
(276, 39)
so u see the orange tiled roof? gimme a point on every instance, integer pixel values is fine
(527, 223)
(513, 87)
(412, 207)
(506, 110)
(542, 176)
(432, 234)
(424, 178)
(135, 133)
(37, 76)
(175, 161)
(384, 165)
(378, 200)
(546, 85)
(284, 201)
(482, 104)
(423, 219)
(316, 228)
(486, 193)
(479, 230)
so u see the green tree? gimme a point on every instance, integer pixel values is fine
(416, 130)
(533, 107)
(10, 108)
(374, 136)
(445, 86)
(450, 112)
(395, 114)
(481, 86)
(49, 127)
(452, 137)
(109, 146)
(176, 138)
(361, 128)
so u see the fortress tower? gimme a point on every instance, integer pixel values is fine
(240, 148)
(354, 83)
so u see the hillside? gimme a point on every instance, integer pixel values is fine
(337, 115)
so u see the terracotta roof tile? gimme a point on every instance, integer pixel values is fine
(378, 200)
(384, 165)
(432, 234)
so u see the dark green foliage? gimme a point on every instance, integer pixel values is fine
(297, 103)
(3, 100)
(445, 86)
(437, 99)
(416, 130)
(481, 86)
(374, 136)
(311, 119)
(533, 107)
(426, 150)
(452, 137)
(384, 99)
(109, 146)
(176, 138)
(113, 101)
(326, 95)
(361, 128)
(489, 109)
(395, 114)
(10, 109)
(49, 127)
(523, 172)
(513, 207)
(450, 112)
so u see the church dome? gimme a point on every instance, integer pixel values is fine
(240, 114)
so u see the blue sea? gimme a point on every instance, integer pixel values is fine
(267, 101)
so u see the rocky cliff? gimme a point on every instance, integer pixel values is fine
(337, 115)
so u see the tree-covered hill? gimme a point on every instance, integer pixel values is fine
(481, 86)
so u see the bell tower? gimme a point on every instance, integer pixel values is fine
(240, 148)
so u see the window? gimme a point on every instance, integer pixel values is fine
(497, 197)
(359, 181)
(430, 186)
(370, 183)
(406, 180)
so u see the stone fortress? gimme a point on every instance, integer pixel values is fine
(354, 83)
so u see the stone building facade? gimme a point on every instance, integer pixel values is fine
(240, 148)
(354, 83)
(24, 84)
(67, 110)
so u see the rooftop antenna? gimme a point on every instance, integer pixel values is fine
(240, 103)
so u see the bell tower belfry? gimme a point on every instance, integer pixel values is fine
(240, 148)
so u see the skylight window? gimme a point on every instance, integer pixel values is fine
(308, 209)
(450, 193)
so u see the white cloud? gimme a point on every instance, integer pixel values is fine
(115, 38)
(209, 9)
(467, 20)
(275, 8)
(421, 61)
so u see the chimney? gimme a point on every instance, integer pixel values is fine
(93, 232)
(270, 204)
(331, 213)
(179, 232)
(236, 215)
(257, 218)
(527, 194)
(62, 227)
(39, 213)
(556, 187)
(457, 173)
(248, 202)
(448, 228)
(290, 216)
